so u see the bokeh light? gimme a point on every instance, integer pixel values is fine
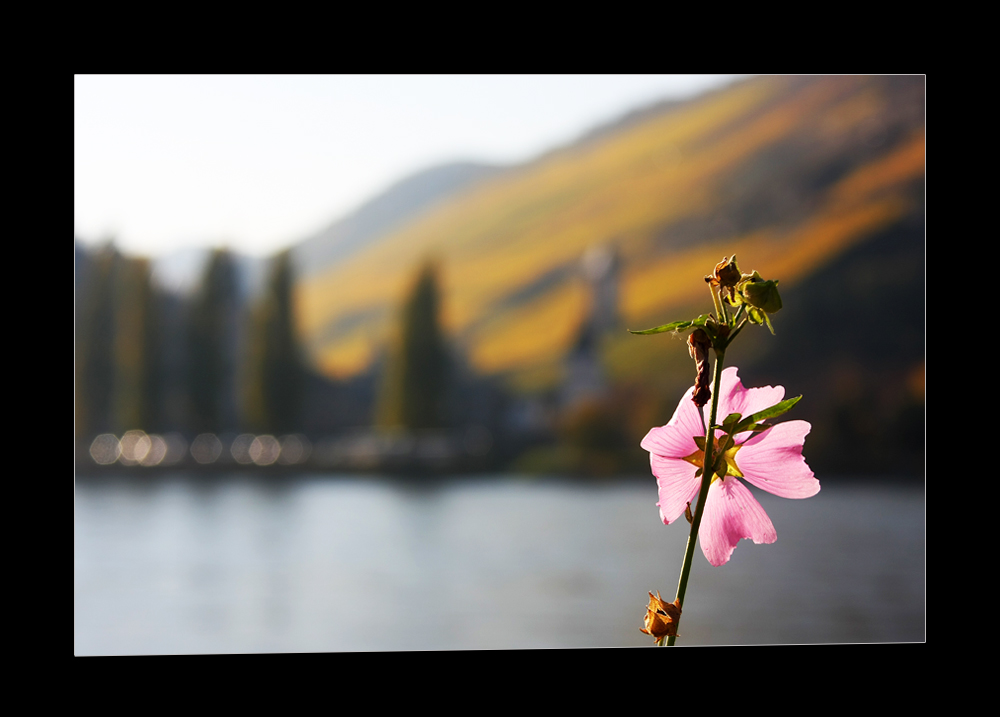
(105, 449)
(240, 449)
(295, 449)
(206, 448)
(156, 453)
(264, 450)
(135, 446)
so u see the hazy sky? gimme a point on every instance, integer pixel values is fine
(256, 163)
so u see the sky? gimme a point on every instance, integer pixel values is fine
(257, 163)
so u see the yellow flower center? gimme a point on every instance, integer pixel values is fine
(725, 465)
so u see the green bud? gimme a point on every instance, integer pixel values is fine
(756, 316)
(761, 293)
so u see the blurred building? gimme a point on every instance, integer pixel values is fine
(586, 378)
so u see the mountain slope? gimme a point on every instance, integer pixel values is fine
(398, 204)
(787, 172)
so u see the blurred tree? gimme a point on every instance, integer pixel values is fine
(416, 381)
(276, 372)
(602, 432)
(95, 333)
(137, 353)
(211, 346)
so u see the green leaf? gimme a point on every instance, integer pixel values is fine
(772, 412)
(675, 326)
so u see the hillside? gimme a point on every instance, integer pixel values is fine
(789, 173)
(400, 203)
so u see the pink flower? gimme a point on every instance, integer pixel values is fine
(771, 460)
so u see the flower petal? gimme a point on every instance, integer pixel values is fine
(731, 514)
(676, 439)
(772, 461)
(734, 398)
(677, 484)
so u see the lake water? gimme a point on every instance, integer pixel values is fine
(239, 564)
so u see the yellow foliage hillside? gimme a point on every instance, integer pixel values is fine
(672, 194)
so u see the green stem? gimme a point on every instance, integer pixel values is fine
(736, 332)
(717, 302)
(706, 481)
(739, 313)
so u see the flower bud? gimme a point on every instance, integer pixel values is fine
(727, 272)
(726, 276)
(661, 617)
(761, 293)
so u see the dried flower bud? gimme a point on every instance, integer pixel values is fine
(698, 346)
(726, 276)
(661, 617)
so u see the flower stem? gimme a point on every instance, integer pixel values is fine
(738, 315)
(736, 331)
(706, 482)
(718, 304)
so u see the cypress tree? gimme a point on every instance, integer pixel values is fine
(211, 350)
(276, 373)
(136, 348)
(417, 376)
(95, 337)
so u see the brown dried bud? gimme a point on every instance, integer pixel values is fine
(661, 617)
(698, 346)
(726, 276)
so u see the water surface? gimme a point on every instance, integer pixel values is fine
(185, 564)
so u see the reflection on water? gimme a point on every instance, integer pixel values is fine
(195, 565)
